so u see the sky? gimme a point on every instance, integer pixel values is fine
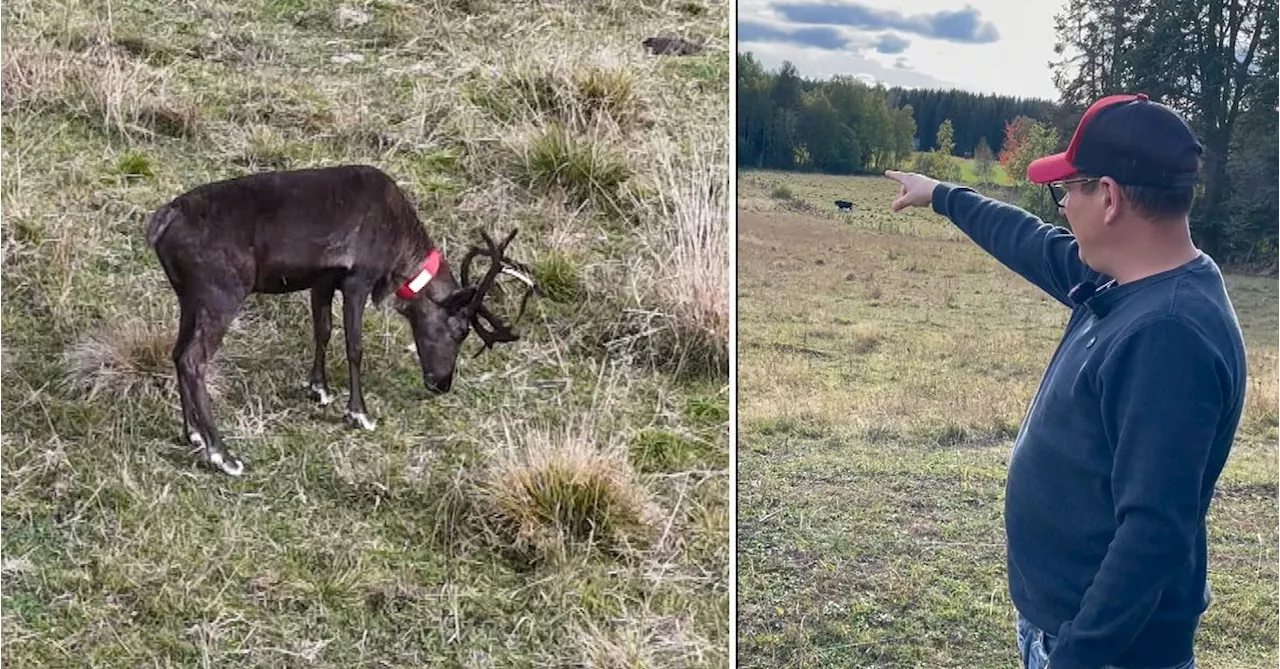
(983, 46)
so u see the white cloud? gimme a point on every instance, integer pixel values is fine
(1015, 64)
(824, 64)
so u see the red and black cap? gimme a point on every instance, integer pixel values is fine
(1129, 138)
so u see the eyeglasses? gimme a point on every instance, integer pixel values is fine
(1058, 189)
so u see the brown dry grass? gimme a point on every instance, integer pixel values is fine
(548, 494)
(127, 361)
(900, 341)
(685, 236)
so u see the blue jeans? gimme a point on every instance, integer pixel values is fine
(1034, 645)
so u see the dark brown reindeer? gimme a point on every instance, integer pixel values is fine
(347, 228)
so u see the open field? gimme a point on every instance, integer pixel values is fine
(969, 171)
(884, 365)
(814, 195)
(565, 505)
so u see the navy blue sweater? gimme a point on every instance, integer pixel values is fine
(1117, 458)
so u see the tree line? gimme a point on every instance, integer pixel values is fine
(838, 126)
(844, 126)
(975, 118)
(1214, 61)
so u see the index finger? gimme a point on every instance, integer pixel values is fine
(895, 175)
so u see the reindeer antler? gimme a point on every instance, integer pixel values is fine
(497, 332)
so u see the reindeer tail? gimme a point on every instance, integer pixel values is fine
(159, 223)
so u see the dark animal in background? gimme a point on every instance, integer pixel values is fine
(672, 46)
(844, 204)
(347, 228)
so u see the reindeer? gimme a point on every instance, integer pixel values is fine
(346, 228)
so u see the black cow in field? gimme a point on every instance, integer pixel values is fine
(844, 204)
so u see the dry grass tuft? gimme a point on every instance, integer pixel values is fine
(635, 641)
(687, 234)
(582, 168)
(128, 360)
(547, 495)
(578, 90)
(104, 85)
(610, 91)
(29, 76)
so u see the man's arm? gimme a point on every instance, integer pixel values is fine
(1043, 254)
(1162, 396)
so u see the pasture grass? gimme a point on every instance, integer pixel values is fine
(885, 363)
(969, 173)
(519, 520)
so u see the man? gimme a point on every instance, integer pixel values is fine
(1112, 472)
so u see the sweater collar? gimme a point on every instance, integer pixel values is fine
(1101, 297)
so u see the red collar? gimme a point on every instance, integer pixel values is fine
(430, 267)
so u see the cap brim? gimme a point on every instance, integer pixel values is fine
(1049, 168)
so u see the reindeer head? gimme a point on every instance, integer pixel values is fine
(442, 318)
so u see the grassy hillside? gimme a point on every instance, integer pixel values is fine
(885, 363)
(565, 504)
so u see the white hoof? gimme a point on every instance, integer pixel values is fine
(196, 439)
(362, 420)
(321, 395)
(230, 466)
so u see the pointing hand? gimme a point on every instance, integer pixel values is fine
(917, 189)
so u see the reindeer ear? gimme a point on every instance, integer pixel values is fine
(459, 299)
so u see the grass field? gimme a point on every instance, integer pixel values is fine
(969, 172)
(565, 505)
(884, 365)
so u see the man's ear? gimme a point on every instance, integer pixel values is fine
(1112, 200)
(458, 299)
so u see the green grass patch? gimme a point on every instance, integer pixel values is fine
(558, 278)
(585, 170)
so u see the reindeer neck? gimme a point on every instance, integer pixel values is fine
(411, 260)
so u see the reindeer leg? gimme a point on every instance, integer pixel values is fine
(186, 330)
(322, 320)
(212, 318)
(354, 294)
